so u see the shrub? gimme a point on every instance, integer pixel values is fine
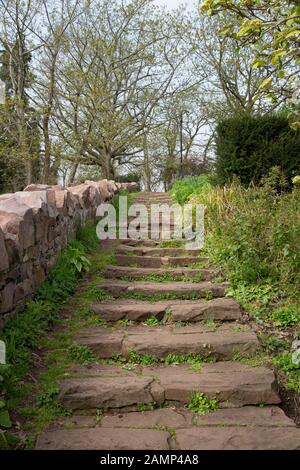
(183, 189)
(249, 146)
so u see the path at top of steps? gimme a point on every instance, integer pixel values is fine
(187, 339)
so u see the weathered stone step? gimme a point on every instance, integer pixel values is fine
(110, 432)
(103, 439)
(200, 289)
(112, 387)
(254, 416)
(224, 343)
(162, 252)
(131, 242)
(224, 309)
(157, 262)
(214, 438)
(119, 272)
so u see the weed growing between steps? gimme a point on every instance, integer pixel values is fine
(166, 277)
(134, 359)
(201, 404)
(253, 236)
(168, 296)
(40, 345)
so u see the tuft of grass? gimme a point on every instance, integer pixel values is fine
(82, 354)
(147, 406)
(272, 344)
(166, 296)
(211, 325)
(170, 244)
(152, 321)
(286, 315)
(142, 359)
(201, 404)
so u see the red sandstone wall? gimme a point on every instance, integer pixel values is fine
(35, 225)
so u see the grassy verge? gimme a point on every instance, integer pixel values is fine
(253, 236)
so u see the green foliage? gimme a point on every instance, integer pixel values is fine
(183, 189)
(201, 404)
(116, 200)
(165, 296)
(291, 370)
(152, 321)
(82, 354)
(272, 343)
(192, 359)
(48, 400)
(143, 359)
(285, 316)
(141, 407)
(170, 244)
(271, 28)
(253, 234)
(248, 147)
(4, 414)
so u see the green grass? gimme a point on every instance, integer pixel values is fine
(167, 296)
(152, 321)
(212, 325)
(82, 354)
(201, 404)
(134, 358)
(183, 189)
(171, 244)
(291, 370)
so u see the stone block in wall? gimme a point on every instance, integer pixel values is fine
(4, 263)
(17, 220)
(7, 297)
(12, 248)
(42, 187)
(112, 188)
(104, 191)
(82, 192)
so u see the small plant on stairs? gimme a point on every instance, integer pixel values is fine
(201, 404)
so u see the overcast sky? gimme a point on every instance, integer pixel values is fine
(175, 3)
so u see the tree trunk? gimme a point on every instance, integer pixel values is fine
(107, 168)
(47, 156)
(73, 172)
(147, 171)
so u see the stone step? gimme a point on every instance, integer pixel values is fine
(103, 439)
(157, 262)
(115, 431)
(205, 289)
(214, 438)
(113, 387)
(224, 309)
(223, 343)
(180, 274)
(130, 242)
(162, 252)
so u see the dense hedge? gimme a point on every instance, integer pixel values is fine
(249, 146)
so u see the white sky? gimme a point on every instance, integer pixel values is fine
(175, 3)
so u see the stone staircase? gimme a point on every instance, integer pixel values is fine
(137, 396)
